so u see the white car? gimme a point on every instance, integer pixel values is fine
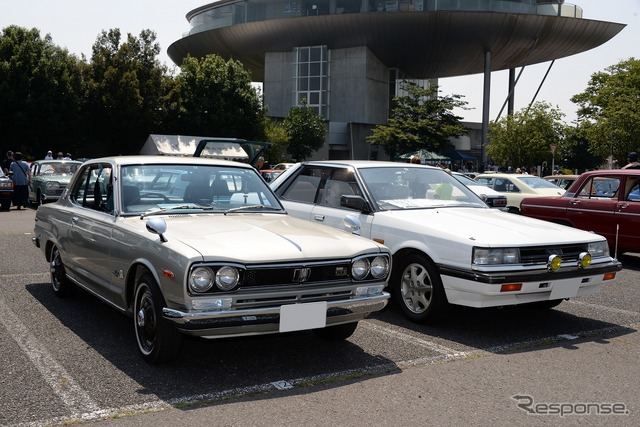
(490, 196)
(518, 186)
(448, 246)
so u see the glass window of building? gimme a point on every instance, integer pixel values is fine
(311, 79)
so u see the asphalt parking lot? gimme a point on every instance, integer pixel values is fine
(74, 360)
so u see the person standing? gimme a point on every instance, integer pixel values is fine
(49, 155)
(633, 161)
(21, 176)
(7, 162)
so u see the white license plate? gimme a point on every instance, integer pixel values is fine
(565, 289)
(299, 317)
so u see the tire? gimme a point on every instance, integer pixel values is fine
(546, 305)
(61, 285)
(158, 341)
(417, 288)
(337, 332)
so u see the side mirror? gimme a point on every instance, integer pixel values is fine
(157, 226)
(357, 203)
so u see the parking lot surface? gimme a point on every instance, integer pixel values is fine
(74, 360)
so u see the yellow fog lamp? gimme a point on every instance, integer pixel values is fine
(584, 260)
(554, 262)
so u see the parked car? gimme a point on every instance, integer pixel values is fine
(562, 181)
(490, 196)
(6, 191)
(606, 202)
(49, 178)
(518, 186)
(448, 246)
(283, 166)
(203, 247)
(270, 174)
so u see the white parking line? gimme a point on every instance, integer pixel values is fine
(605, 308)
(412, 339)
(63, 385)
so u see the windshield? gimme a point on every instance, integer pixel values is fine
(417, 187)
(537, 182)
(173, 188)
(59, 168)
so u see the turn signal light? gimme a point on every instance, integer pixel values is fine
(609, 276)
(511, 287)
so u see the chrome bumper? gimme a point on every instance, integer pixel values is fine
(255, 321)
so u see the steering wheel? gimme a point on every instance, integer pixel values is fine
(156, 195)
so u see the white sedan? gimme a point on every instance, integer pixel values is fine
(518, 186)
(448, 246)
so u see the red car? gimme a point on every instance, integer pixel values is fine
(606, 202)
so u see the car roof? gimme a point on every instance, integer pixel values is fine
(361, 164)
(160, 160)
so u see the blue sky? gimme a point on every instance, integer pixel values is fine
(75, 24)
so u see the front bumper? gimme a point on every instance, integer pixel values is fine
(480, 289)
(266, 320)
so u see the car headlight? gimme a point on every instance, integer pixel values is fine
(598, 249)
(52, 185)
(484, 256)
(227, 278)
(380, 267)
(360, 268)
(201, 279)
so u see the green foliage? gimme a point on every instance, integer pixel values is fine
(214, 97)
(420, 120)
(609, 110)
(41, 92)
(125, 91)
(277, 135)
(306, 131)
(524, 138)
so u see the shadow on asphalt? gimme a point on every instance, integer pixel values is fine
(206, 367)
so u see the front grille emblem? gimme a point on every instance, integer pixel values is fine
(301, 274)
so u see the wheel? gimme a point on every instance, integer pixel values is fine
(546, 305)
(337, 332)
(62, 286)
(158, 341)
(418, 289)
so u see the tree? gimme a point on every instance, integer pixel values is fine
(524, 138)
(214, 97)
(609, 110)
(277, 135)
(419, 120)
(41, 93)
(306, 131)
(125, 92)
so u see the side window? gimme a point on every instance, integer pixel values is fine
(633, 190)
(341, 183)
(93, 189)
(600, 187)
(304, 187)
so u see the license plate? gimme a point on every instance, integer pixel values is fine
(299, 317)
(565, 289)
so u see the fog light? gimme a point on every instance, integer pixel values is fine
(364, 291)
(554, 262)
(584, 260)
(211, 303)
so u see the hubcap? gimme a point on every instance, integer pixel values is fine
(416, 288)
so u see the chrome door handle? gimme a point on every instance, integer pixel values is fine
(318, 217)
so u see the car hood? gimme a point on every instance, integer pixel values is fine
(263, 238)
(483, 227)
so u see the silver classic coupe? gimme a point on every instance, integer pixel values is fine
(203, 247)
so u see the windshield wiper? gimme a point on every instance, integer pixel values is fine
(241, 208)
(171, 208)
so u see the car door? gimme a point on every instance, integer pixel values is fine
(90, 230)
(627, 215)
(300, 193)
(593, 206)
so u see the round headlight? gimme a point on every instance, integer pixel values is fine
(52, 185)
(379, 267)
(360, 269)
(554, 262)
(227, 278)
(201, 279)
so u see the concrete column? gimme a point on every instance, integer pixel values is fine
(486, 98)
